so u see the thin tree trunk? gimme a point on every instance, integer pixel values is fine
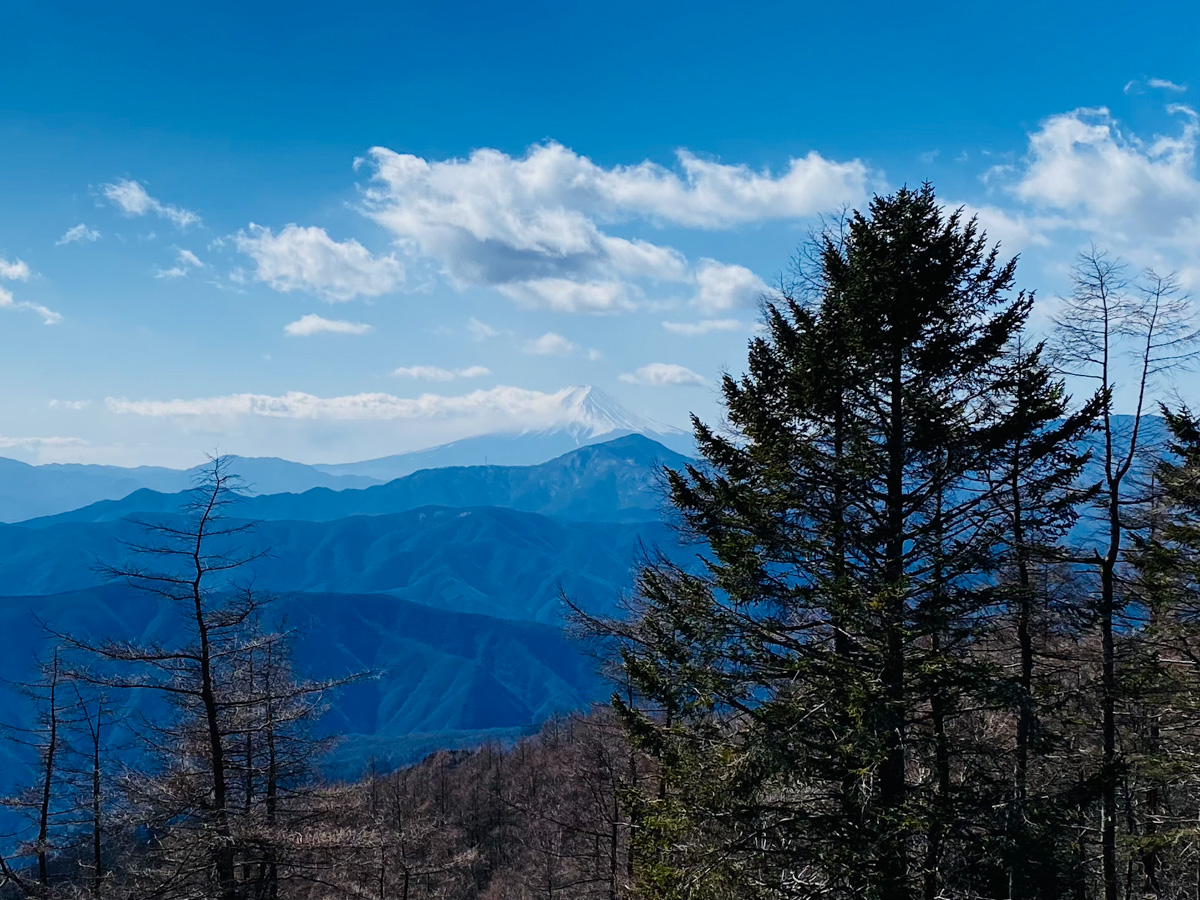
(48, 779)
(1108, 771)
(248, 775)
(892, 785)
(938, 714)
(1025, 718)
(224, 857)
(272, 782)
(937, 821)
(97, 848)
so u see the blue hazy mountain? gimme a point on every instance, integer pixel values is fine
(446, 584)
(620, 480)
(437, 676)
(498, 562)
(27, 491)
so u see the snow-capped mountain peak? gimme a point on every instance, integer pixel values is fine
(587, 411)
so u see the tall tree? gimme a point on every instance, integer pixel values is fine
(818, 666)
(232, 743)
(46, 801)
(1037, 488)
(1126, 335)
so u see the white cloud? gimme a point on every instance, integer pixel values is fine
(79, 232)
(186, 260)
(469, 193)
(550, 344)
(17, 270)
(306, 326)
(564, 295)
(436, 373)
(503, 404)
(131, 198)
(307, 259)
(480, 331)
(75, 405)
(538, 225)
(720, 286)
(1137, 85)
(704, 326)
(663, 375)
(1125, 190)
(1163, 84)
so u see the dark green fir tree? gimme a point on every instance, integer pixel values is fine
(810, 688)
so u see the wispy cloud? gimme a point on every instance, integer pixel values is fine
(564, 295)
(1138, 85)
(18, 270)
(550, 344)
(132, 199)
(186, 260)
(480, 331)
(78, 234)
(49, 316)
(704, 326)
(663, 375)
(307, 326)
(436, 373)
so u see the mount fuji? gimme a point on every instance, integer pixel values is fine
(583, 415)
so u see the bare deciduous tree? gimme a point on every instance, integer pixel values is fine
(1127, 334)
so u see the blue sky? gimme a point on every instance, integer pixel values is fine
(330, 233)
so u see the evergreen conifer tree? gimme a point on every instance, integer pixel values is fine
(809, 691)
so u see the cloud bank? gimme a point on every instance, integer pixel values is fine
(539, 226)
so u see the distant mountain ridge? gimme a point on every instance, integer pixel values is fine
(29, 491)
(583, 415)
(615, 481)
